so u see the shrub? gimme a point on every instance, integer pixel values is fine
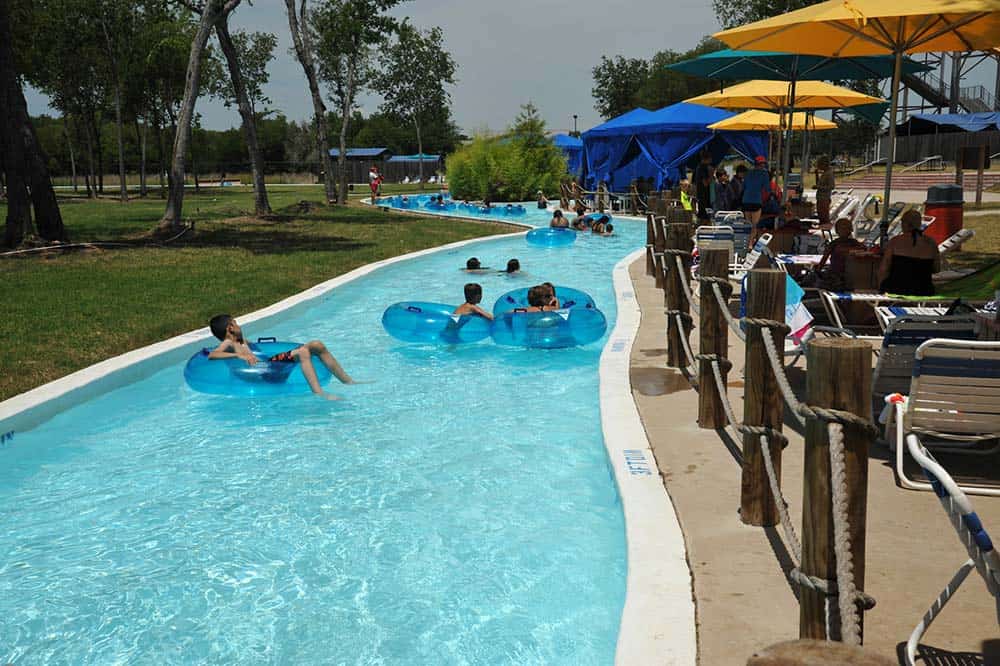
(512, 167)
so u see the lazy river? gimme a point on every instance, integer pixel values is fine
(458, 510)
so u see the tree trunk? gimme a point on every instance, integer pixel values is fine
(161, 153)
(72, 156)
(99, 151)
(194, 165)
(91, 159)
(140, 135)
(261, 204)
(175, 200)
(345, 121)
(119, 122)
(303, 51)
(420, 154)
(25, 163)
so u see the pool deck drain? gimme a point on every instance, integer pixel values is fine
(744, 602)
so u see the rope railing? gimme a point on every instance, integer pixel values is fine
(843, 587)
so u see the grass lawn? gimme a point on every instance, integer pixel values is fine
(984, 248)
(65, 311)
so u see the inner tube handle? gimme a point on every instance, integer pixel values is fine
(413, 308)
(267, 338)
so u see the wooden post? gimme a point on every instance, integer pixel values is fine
(713, 338)
(762, 401)
(839, 377)
(659, 243)
(650, 239)
(678, 237)
(958, 166)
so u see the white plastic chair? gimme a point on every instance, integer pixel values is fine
(983, 556)
(715, 237)
(954, 398)
(894, 368)
(954, 242)
(753, 256)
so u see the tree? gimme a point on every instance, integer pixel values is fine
(21, 158)
(247, 57)
(731, 14)
(615, 84)
(416, 67)
(347, 31)
(302, 39)
(175, 199)
(117, 20)
(621, 85)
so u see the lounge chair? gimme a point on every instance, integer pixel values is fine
(715, 237)
(983, 556)
(899, 345)
(954, 399)
(954, 242)
(753, 256)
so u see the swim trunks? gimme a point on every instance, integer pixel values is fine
(283, 357)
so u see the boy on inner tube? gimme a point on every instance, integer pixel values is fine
(233, 345)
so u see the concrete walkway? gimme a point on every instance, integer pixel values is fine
(744, 602)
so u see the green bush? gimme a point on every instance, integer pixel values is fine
(512, 167)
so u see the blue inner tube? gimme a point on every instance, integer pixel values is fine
(518, 298)
(416, 321)
(233, 376)
(551, 237)
(550, 330)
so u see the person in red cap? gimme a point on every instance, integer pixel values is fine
(757, 182)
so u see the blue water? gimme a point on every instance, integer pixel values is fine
(458, 510)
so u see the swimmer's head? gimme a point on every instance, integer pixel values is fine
(538, 296)
(557, 213)
(223, 325)
(609, 227)
(473, 293)
(513, 266)
(472, 264)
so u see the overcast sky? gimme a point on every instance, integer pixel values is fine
(508, 52)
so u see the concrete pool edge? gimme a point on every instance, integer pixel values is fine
(658, 618)
(29, 409)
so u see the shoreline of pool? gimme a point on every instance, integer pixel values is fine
(658, 617)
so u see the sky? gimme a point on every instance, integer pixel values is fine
(508, 52)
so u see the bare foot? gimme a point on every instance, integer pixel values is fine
(328, 396)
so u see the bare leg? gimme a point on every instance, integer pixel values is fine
(319, 349)
(309, 372)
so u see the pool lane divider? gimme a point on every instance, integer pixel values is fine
(32, 408)
(658, 619)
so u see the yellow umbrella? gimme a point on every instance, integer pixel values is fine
(872, 27)
(777, 95)
(781, 96)
(765, 120)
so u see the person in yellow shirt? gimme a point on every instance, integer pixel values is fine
(686, 200)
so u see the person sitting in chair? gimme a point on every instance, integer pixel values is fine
(909, 260)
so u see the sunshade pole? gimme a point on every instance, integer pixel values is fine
(806, 136)
(786, 164)
(891, 149)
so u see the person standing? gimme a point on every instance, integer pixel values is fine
(824, 190)
(703, 186)
(755, 185)
(374, 181)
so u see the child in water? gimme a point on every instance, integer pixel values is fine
(225, 328)
(473, 295)
(472, 265)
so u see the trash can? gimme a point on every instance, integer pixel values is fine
(944, 203)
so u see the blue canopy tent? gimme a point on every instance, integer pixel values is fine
(933, 123)
(572, 149)
(660, 144)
